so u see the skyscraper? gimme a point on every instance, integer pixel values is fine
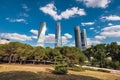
(41, 34)
(58, 38)
(80, 38)
(77, 37)
(83, 39)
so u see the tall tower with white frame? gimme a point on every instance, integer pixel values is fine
(41, 34)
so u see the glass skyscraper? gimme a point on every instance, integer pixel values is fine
(77, 37)
(80, 38)
(41, 34)
(58, 37)
(83, 39)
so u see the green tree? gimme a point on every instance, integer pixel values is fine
(60, 65)
(39, 53)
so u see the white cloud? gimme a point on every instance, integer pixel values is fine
(52, 11)
(67, 35)
(50, 38)
(110, 24)
(92, 42)
(87, 23)
(15, 36)
(23, 15)
(92, 28)
(111, 18)
(109, 32)
(25, 7)
(16, 20)
(115, 28)
(34, 37)
(96, 3)
(35, 32)
(100, 37)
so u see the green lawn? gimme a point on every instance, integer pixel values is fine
(41, 72)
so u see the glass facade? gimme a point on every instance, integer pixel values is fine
(80, 38)
(77, 37)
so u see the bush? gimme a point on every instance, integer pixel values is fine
(60, 65)
(60, 70)
(115, 65)
(94, 62)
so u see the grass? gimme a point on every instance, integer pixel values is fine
(41, 72)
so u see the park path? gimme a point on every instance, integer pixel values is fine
(111, 70)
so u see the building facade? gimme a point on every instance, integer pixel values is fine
(83, 39)
(77, 37)
(80, 38)
(58, 37)
(41, 34)
(4, 41)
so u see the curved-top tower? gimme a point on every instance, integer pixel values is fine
(41, 34)
(77, 37)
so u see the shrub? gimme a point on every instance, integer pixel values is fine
(60, 65)
(115, 65)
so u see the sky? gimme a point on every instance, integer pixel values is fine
(20, 20)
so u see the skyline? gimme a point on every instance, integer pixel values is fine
(20, 20)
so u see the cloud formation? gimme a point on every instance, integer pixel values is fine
(51, 10)
(67, 35)
(109, 32)
(25, 7)
(18, 20)
(35, 32)
(111, 18)
(16, 36)
(92, 28)
(50, 38)
(95, 3)
(87, 23)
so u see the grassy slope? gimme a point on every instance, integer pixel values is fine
(40, 72)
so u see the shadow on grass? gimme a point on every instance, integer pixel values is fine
(26, 75)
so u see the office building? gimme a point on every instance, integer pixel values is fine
(4, 41)
(58, 37)
(83, 39)
(77, 37)
(41, 34)
(80, 38)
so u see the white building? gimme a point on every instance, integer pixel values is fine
(4, 41)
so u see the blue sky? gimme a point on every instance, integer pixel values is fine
(20, 20)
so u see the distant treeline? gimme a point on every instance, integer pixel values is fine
(16, 52)
(100, 55)
(104, 55)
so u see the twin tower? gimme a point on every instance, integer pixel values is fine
(80, 36)
(42, 31)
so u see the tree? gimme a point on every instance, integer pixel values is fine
(11, 50)
(25, 51)
(60, 65)
(114, 51)
(39, 53)
(73, 55)
(100, 54)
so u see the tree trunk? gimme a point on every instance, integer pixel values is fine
(10, 58)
